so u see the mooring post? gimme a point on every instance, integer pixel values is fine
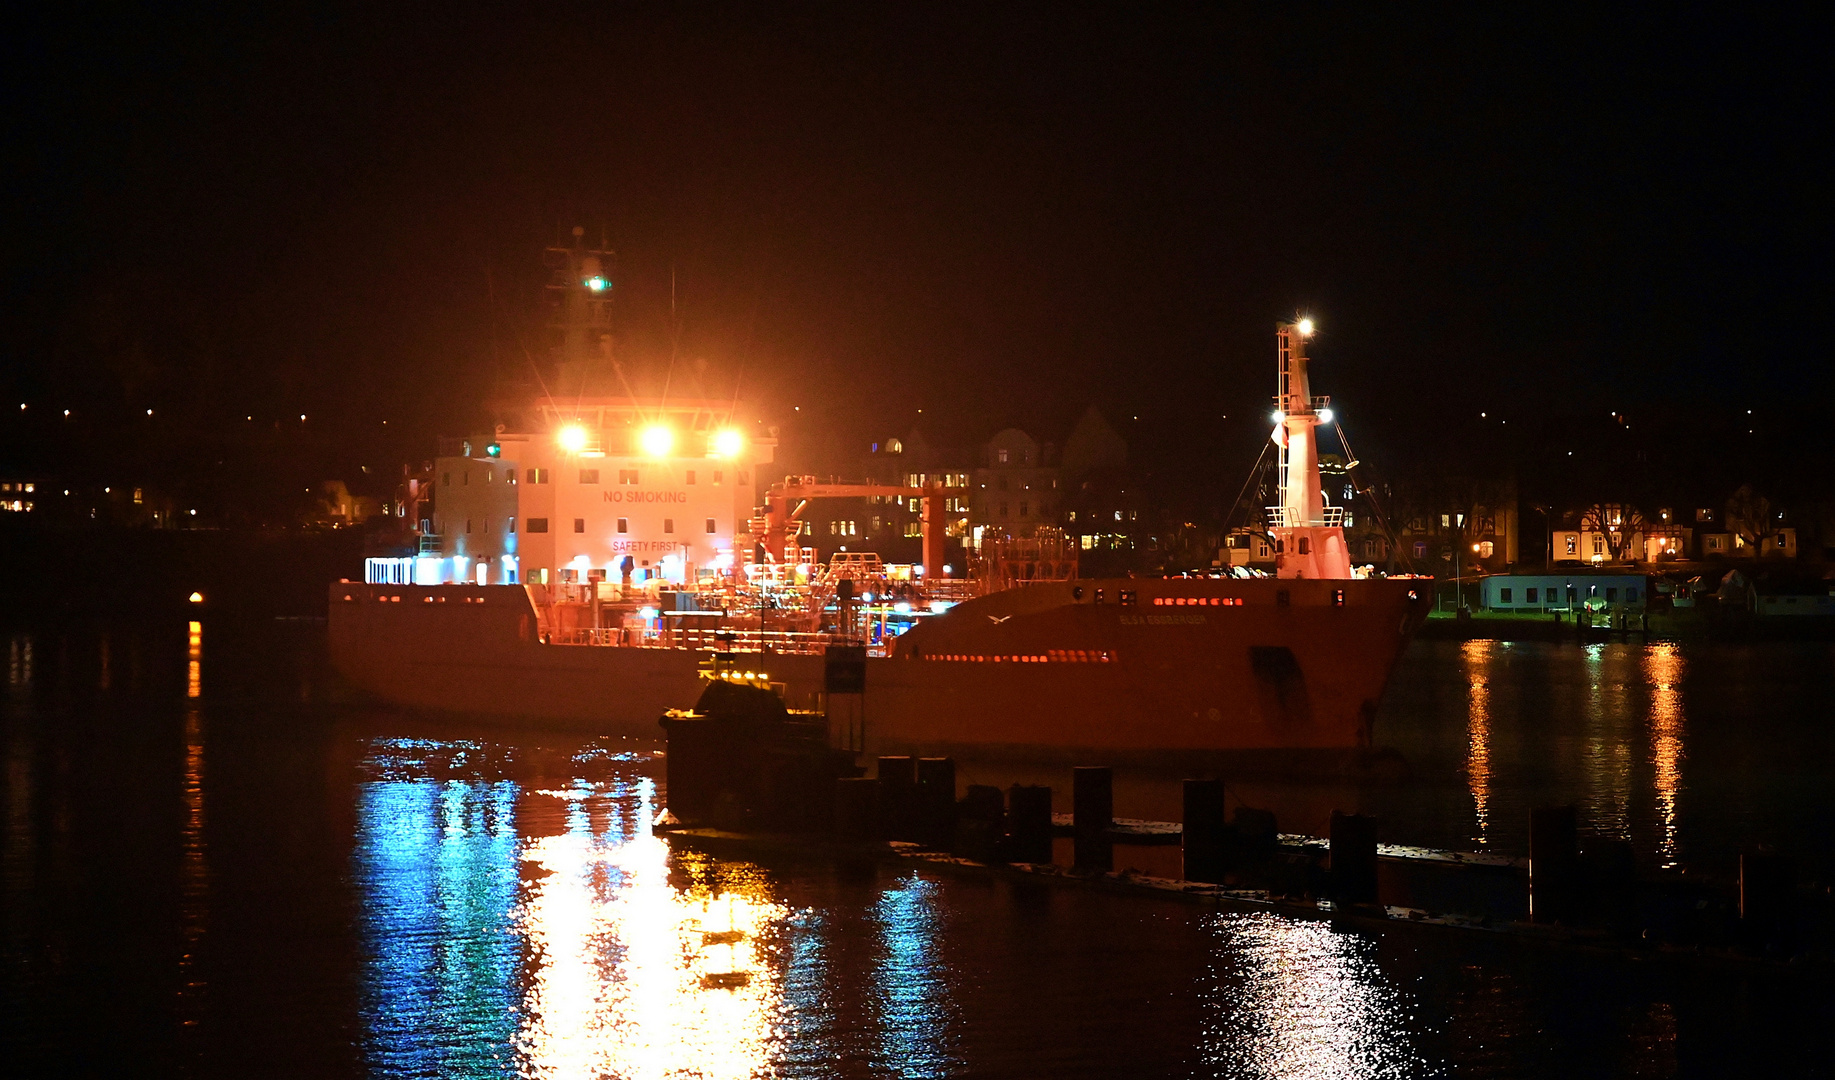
(1554, 857)
(1092, 804)
(936, 801)
(857, 809)
(1353, 858)
(1029, 823)
(981, 823)
(898, 796)
(1203, 834)
(1768, 900)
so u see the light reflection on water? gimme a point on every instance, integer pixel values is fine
(1663, 667)
(1301, 999)
(1477, 655)
(561, 941)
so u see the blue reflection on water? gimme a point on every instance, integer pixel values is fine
(915, 1005)
(436, 865)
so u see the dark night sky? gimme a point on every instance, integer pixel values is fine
(993, 215)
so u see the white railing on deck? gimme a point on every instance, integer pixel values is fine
(739, 641)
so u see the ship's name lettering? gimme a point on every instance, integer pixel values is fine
(616, 496)
(1162, 620)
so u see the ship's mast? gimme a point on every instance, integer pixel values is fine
(583, 286)
(1299, 413)
(1309, 535)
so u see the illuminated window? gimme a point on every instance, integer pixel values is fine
(1571, 542)
(1599, 545)
(1000, 456)
(624, 525)
(1485, 549)
(538, 476)
(589, 476)
(627, 476)
(1073, 515)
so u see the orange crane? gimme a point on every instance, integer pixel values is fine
(779, 514)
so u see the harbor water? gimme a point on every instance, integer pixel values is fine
(214, 864)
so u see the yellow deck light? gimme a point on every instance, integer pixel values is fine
(572, 438)
(728, 442)
(657, 440)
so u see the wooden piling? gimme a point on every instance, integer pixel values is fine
(898, 797)
(1029, 823)
(1353, 858)
(1204, 835)
(1768, 900)
(1092, 799)
(936, 801)
(1092, 815)
(1554, 857)
(857, 809)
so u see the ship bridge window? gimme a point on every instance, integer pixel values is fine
(538, 525)
(538, 476)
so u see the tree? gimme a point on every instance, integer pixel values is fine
(1619, 523)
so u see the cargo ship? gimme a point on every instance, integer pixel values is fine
(590, 560)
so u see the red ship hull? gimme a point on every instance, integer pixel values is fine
(1129, 668)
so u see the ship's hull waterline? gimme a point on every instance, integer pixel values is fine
(1284, 671)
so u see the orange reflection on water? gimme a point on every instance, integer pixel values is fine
(1477, 656)
(1663, 665)
(194, 680)
(634, 977)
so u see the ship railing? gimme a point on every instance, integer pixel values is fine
(1330, 516)
(782, 642)
(430, 544)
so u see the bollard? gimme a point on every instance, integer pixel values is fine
(857, 809)
(1256, 831)
(1092, 815)
(936, 801)
(1353, 858)
(1768, 900)
(1204, 838)
(981, 824)
(1092, 799)
(1028, 823)
(898, 797)
(1554, 854)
